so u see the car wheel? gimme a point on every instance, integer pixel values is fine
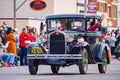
(55, 69)
(83, 63)
(33, 66)
(103, 67)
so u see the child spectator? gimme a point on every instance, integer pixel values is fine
(3, 58)
(16, 35)
(8, 58)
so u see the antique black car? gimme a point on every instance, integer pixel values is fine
(70, 42)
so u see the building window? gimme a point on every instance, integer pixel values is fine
(102, 7)
(114, 12)
(81, 11)
(109, 12)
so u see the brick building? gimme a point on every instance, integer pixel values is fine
(108, 9)
(25, 16)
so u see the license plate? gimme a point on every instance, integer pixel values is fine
(36, 51)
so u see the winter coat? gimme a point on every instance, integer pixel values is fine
(12, 45)
(23, 38)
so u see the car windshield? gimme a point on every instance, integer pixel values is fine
(71, 23)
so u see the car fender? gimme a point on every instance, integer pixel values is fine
(98, 50)
(34, 44)
(76, 49)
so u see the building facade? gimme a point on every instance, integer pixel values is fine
(25, 16)
(109, 9)
(119, 13)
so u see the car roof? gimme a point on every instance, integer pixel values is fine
(81, 15)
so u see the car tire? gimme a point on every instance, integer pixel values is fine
(33, 66)
(103, 67)
(83, 63)
(55, 69)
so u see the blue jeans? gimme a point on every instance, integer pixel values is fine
(0, 59)
(11, 58)
(117, 54)
(19, 51)
(23, 56)
(5, 57)
(112, 50)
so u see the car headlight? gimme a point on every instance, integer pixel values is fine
(43, 38)
(70, 38)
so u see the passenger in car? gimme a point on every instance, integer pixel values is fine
(97, 25)
(63, 25)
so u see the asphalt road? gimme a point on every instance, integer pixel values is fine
(67, 73)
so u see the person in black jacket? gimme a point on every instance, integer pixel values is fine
(118, 41)
(2, 35)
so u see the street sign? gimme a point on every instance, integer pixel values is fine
(38, 5)
(92, 6)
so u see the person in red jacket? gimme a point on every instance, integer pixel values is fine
(94, 27)
(31, 35)
(23, 43)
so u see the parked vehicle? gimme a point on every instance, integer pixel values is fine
(69, 42)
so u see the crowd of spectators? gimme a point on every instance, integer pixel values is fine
(113, 40)
(13, 46)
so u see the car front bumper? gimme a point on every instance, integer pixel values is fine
(55, 56)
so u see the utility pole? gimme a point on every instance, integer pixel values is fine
(85, 6)
(14, 14)
(15, 9)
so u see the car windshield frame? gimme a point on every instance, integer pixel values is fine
(69, 24)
